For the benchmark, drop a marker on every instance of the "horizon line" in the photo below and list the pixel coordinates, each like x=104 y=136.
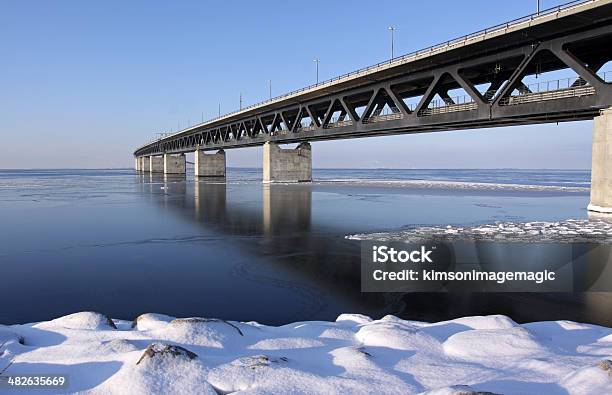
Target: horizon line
x=315 y=169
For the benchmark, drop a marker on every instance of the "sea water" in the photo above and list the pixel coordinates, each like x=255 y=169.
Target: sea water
x=125 y=243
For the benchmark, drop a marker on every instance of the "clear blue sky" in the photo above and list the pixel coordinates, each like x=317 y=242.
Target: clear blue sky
x=84 y=83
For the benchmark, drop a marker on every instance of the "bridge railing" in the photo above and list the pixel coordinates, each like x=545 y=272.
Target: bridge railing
x=456 y=103
x=306 y=128
x=584 y=90
x=463 y=99
x=386 y=115
x=554 y=89
x=554 y=85
x=336 y=122
x=413 y=55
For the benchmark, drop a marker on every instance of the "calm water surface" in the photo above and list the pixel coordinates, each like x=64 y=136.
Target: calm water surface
x=122 y=243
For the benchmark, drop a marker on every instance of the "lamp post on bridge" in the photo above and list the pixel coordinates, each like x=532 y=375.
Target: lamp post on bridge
x=392 y=30
x=538 y=6
x=270 y=86
x=317 y=61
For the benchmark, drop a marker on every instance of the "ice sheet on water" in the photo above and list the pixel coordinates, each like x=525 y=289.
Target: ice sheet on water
x=568 y=231
x=465 y=185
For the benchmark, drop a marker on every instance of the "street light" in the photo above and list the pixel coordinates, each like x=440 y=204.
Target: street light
x=392 y=30
x=317 y=61
x=538 y=6
x=240 y=101
x=270 y=85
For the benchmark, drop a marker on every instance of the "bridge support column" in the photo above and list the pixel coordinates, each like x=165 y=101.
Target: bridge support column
x=156 y=164
x=137 y=164
x=174 y=164
x=209 y=165
x=601 y=168
x=146 y=163
x=287 y=165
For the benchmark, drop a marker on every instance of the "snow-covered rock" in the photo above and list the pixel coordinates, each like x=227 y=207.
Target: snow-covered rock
x=7 y=336
x=354 y=354
x=594 y=379
x=148 y=321
x=458 y=390
x=84 y=320
x=161 y=369
x=503 y=343
x=398 y=335
x=208 y=332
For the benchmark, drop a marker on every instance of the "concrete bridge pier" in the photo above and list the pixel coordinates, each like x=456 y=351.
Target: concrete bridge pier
x=601 y=168
x=156 y=164
x=174 y=164
x=287 y=165
x=137 y=163
x=209 y=165
x=146 y=166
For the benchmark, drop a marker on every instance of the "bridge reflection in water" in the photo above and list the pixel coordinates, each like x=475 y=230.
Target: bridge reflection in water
x=276 y=224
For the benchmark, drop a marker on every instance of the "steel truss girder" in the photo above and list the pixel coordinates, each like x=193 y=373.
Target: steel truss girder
x=487 y=110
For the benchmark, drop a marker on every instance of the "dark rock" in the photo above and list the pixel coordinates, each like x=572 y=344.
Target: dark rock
x=257 y=361
x=160 y=350
x=606 y=366
x=110 y=322
x=363 y=351
x=467 y=390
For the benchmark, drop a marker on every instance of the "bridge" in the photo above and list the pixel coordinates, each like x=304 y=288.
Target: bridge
x=545 y=67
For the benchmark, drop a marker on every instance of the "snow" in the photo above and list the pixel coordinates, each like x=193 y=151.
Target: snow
x=355 y=354
x=509 y=343
x=568 y=231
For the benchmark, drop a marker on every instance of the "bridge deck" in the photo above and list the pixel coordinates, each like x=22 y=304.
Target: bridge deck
x=436 y=69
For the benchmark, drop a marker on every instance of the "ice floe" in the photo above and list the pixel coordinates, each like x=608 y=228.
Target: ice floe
x=159 y=354
x=568 y=231
x=466 y=185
